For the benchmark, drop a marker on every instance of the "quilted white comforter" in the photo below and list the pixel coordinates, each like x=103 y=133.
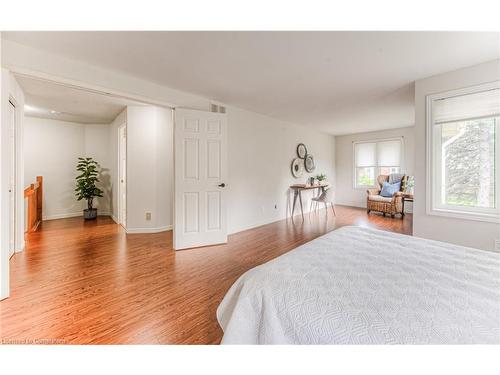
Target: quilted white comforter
x=364 y=286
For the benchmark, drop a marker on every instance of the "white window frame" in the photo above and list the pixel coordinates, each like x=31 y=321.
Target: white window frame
x=433 y=179
x=377 y=167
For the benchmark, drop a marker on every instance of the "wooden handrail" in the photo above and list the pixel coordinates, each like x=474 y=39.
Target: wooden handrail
x=34 y=195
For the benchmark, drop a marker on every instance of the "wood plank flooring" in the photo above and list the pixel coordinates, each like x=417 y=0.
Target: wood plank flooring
x=89 y=283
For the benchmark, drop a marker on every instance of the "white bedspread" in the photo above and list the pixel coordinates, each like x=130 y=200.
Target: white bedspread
x=364 y=286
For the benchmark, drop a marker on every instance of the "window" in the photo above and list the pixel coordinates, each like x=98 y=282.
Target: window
x=463 y=142
x=374 y=158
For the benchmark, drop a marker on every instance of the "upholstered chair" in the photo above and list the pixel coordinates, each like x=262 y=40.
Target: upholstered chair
x=386 y=205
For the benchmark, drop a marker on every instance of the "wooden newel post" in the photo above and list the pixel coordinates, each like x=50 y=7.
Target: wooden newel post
x=34 y=195
x=39 y=198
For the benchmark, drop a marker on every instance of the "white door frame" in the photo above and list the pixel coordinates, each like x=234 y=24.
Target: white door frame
x=122 y=175
x=13 y=230
x=18 y=164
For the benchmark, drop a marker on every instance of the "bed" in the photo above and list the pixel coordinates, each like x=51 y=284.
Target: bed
x=364 y=286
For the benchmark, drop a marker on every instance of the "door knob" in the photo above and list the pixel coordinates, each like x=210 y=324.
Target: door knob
x=222 y=185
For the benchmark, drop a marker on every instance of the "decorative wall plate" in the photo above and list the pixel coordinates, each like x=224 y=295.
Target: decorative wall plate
x=301 y=150
x=297 y=167
x=309 y=163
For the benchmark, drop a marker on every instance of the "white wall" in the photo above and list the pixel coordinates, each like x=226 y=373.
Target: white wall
x=346 y=193
x=260 y=153
x=149 y=168
x=51 y=150
x=165 y=167
x=463 y=232
x=96 y=145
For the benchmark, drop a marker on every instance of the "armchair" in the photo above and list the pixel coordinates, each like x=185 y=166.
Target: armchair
x=376 y=202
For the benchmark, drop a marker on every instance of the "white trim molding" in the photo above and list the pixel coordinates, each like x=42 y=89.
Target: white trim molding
x=71 y=214
x=148 y=230
x=92 y=88
x=433 y=183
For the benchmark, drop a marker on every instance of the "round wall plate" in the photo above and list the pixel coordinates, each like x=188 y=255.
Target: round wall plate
x=297 y=167
x=301 y=150
x=309 y=163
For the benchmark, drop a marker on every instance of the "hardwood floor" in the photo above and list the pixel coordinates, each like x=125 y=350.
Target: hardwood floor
x=89 y=283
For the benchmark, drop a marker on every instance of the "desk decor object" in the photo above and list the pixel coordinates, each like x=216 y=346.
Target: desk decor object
x=321 y=177
x=297 y=167
x=309 y=163
x=301 y=151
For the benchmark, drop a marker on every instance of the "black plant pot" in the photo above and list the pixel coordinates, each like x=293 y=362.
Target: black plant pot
x=90 y=214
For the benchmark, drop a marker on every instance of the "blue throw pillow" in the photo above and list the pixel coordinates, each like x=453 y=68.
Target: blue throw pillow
x=388 y=189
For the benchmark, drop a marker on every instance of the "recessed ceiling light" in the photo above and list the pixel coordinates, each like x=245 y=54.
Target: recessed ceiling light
x=55 y=112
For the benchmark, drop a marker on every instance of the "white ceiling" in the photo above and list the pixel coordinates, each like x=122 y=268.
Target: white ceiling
x=339 y=82
x=49 y=100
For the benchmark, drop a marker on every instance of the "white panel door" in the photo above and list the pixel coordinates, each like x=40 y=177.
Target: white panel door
x=12 y=180
x=200 y=178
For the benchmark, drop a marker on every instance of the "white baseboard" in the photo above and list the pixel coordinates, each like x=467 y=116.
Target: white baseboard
x=62 y=216
x=148 y=230
x=115 y=219
x=70 y=214
x=255 y=225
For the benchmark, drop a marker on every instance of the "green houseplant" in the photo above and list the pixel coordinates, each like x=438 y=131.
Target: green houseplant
x=85 y=185
x=321 y=177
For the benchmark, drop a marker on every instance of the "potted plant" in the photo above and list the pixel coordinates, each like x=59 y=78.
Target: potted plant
x=85 y=185
x=321 y=177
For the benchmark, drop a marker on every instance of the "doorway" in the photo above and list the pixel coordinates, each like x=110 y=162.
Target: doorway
x=122 y=171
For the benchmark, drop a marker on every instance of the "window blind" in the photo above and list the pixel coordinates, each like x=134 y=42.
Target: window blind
x=389 y=153
x=466 y=107
x=365 y=154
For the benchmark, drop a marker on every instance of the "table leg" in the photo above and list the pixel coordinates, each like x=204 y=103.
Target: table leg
x=295 y=193
x=301 y=207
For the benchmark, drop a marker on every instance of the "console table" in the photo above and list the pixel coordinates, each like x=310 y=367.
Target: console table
x=297 y=192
